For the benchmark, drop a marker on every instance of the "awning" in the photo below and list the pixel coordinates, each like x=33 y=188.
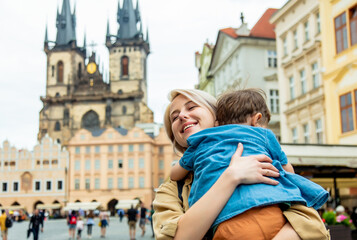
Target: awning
x=49 y=206
x=126 y=204
x=82 y=205
x=19 y=207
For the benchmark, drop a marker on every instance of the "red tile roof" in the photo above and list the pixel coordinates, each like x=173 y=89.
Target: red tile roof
x=230 y=32
x=263 y=28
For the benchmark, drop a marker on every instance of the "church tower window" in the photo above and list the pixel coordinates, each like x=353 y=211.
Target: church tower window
x=125 y=66
x=57 y=126
x=124 y=110
x=79 y=74
x=90 y=120
x=60 y=72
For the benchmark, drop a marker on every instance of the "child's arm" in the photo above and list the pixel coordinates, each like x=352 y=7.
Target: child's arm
x=178 y=172
x=288 y=167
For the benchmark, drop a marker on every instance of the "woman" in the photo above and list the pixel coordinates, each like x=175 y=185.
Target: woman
x=172 y=218
x=90 y=223
x=104 y=223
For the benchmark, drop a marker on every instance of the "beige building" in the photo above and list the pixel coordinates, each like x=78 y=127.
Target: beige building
x=115 y=164
x=298 y=40
x=33 y=179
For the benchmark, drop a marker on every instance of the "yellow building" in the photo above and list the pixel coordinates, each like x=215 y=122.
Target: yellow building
x=33 y=179
x=339 y=50
x=114 y=164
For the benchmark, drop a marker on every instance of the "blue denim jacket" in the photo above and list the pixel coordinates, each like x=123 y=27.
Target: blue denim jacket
x=209 y=154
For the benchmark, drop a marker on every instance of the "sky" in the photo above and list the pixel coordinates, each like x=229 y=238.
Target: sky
x=177 y=29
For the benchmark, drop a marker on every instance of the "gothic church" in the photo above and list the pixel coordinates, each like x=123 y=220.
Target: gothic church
x=76 y=95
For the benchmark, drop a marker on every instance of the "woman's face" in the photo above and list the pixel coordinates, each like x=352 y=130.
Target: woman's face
x=188 y=118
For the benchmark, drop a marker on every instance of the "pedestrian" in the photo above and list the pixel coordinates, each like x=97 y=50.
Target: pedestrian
x=35 y=222
x=120 y=214
x=354 y=216
x=4 y=229
x=80 y=227
x=142 y=221
x=132 y=218
x=152 y=211
x=104 y=223
x=90 y=223
x=72 y=224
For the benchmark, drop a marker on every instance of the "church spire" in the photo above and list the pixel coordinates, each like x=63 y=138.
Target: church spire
x=46 y=40
x=127 y=18
x=66 y=26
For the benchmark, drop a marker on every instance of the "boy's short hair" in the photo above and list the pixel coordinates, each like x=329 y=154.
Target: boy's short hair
x=235 y=107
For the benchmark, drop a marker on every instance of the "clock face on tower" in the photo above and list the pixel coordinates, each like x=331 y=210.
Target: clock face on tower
x=91 y=68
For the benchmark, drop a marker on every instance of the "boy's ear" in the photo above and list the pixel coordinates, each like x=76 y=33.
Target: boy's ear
x=216 y=124
x=255 y=119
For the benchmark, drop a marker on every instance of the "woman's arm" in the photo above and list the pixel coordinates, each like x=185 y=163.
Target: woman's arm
x=178 y=172
x=242 y=170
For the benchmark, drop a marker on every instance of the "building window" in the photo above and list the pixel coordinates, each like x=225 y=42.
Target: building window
x=131 y=148
x=97 y=183
x=274 y=101
x=306 y=133
x=131 y=182
x=77 y=165
x=120 y=148
x=120 y=183
x=161 y=164
x=141 y=148
x=87 y=150
x=294 y=135
x=59 y=185
x=52 y=71
x=110 y=164
x=110 y=135
x=78 y=150
x=124 y=110
x=303 y=81
x=97 y=149
x=346 y=112
x=97 y=164
x=124 y=66
x=292 y=87
x=110 y=149
x=141 y=163
x=76 y=184
x=120 y=163
x=37 y=186
x=110 y=183
x=353 y=25
x=57 y=126
x=341 y=32
x=285 y=47
x=48 y=185
x=161 y=149
x=87 y=164
x=4 y=187
x=131 y=163
x=141 y=182
x=87 y=183
x=315 y=75
x=60 y=72
x=318 y=23
x=15 y=186
x=272 y=59
x=295 y=40
x=306 y=30
x=318 y=131
x=161 y=180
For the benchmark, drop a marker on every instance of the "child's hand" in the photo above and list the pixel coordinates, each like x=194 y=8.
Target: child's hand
x=252 y=169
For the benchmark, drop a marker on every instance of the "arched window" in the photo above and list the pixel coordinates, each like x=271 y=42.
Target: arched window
x=79 y=73
x=124 y=110
x=125 y=66
x=57 y=126
x=90 y=120
x=60 y=72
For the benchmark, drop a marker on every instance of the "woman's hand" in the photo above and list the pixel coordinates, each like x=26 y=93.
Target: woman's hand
x=251 y=169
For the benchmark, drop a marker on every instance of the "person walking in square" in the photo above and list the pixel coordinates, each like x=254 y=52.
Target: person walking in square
x=35 y=222
x=4 y=230
x=132 y=218
x=142 y=222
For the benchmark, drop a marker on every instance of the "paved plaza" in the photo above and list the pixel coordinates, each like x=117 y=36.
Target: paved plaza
x=58 y=230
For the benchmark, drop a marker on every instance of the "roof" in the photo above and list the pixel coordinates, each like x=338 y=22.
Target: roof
x=263 y=28
x=230 y=32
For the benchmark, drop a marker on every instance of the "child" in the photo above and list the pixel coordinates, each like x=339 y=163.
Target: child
x=252 y=212
x=80 y=227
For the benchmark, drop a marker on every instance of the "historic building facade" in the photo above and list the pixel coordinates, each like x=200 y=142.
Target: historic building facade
x=115 y=164
x=203 y=61
x=298 y=40
x=339 y=50
x=33 y=179
x=76 y=95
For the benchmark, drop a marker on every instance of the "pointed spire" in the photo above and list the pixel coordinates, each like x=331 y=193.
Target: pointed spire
x=84 y=40
x=66 y=25
x=147 y=35
x=137 y=12
x=46 y=35
x=141 y=30
x=127 y=19
x=108 y=31
x=119 y=11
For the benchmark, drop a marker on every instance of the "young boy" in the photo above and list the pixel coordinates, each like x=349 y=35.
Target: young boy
x=252 y=212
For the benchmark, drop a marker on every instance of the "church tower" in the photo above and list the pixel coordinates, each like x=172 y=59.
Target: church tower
x=76 y=95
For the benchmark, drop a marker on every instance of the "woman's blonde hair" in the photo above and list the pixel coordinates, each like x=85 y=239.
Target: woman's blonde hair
x=199 y=97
